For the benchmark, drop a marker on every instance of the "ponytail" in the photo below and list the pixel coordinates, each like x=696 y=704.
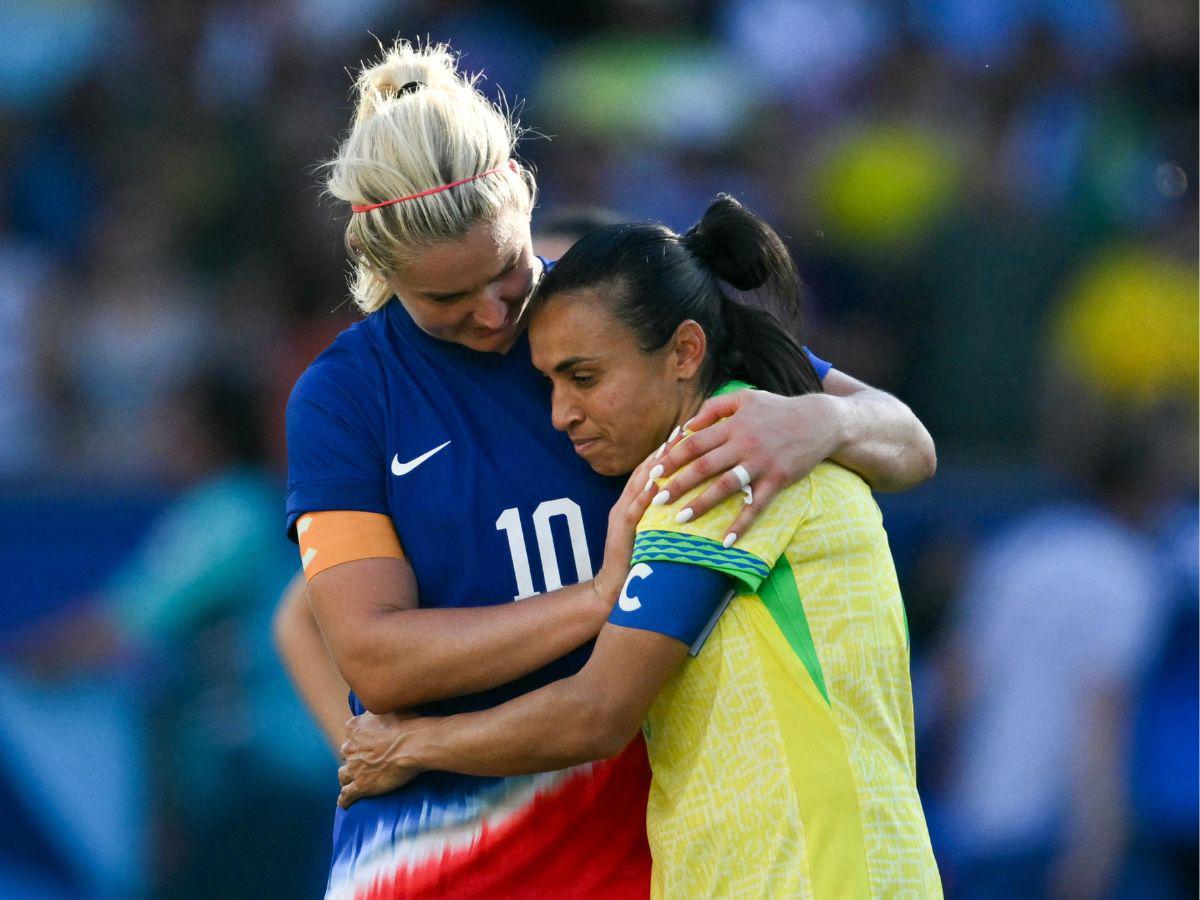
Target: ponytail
x=653 y=279
x=742 y=250
x=761 y=352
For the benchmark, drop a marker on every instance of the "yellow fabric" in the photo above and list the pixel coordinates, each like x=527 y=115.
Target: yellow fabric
x=762 y=788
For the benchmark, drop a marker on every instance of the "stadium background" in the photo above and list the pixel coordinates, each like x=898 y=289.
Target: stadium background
x=993 y=205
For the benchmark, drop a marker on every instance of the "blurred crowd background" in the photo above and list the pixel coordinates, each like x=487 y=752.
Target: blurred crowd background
x=993 y=205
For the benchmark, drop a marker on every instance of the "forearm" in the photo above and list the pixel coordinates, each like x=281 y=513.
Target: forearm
x=309 y=664
x=413 y=656
x=555 y=727
x=883 y=441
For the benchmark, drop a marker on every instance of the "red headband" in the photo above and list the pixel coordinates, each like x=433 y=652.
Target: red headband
x=367 y=207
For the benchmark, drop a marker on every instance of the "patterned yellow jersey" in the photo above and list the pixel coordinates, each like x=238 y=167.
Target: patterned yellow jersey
x=782 y=753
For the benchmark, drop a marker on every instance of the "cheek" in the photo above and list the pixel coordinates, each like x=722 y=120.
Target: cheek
x=519 y=284
x=433 y=318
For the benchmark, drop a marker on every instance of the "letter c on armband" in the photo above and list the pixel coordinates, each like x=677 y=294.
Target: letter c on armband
x=632 y=604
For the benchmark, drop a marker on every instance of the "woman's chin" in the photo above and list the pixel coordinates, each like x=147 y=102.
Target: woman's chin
x=614 y=464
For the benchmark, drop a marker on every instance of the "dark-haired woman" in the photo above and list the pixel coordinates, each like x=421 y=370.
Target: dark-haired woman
x=769 y=671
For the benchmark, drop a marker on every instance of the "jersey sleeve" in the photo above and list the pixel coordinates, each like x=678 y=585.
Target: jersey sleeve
x=819 y=364
x=700 y=542
x=336 y=458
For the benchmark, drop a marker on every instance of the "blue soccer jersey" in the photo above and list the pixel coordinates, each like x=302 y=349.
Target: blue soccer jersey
x=491 y=505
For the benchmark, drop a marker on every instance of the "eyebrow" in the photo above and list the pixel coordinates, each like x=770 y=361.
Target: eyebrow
x=434 y=295
x=573 y=361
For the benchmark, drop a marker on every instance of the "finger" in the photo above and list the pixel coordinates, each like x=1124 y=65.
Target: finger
x=344 y=775
x=347 y=796
x=713 y=410
x=725 y=485
x=638 y=479
x=720 y=460
x=637 y=506
x=693 y=450
x=764 y=492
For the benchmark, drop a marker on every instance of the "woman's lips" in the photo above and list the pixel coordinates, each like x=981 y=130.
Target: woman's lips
x=583 y=446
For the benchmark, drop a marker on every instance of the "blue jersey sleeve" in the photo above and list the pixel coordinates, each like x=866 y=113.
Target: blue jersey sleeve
x=679 y=600
x=819 y=364
x=336 y=458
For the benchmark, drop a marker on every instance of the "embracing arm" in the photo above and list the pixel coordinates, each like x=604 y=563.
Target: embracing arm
x=779 y=440
x=879 y=437
x=591 y=715
x=396 y=655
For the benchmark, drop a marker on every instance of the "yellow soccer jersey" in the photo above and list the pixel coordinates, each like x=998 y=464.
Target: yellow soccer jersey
x=782 y=754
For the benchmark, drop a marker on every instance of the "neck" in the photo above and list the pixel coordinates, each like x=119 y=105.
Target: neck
x=689 y=407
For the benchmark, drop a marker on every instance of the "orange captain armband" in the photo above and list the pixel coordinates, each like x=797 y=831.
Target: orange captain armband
x=333 y=537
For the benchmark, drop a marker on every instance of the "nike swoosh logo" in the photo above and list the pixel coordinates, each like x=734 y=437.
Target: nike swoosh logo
x=399 y=468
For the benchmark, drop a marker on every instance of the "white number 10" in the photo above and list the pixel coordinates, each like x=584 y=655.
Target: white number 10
x=510 y=523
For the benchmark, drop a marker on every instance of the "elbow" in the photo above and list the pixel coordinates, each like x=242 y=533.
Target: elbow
x=913 y=466
x=926 y=465
x=375 y=689
x=381 y=684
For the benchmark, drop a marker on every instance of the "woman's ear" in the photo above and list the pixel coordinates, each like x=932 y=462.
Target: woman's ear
x=688 y=349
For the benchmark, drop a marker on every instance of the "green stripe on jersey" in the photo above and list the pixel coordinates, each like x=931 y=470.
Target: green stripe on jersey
x=673 y=546
x=782 y=599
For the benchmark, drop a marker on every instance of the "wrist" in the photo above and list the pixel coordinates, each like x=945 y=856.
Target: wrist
x=413 y=752
x=603 y=594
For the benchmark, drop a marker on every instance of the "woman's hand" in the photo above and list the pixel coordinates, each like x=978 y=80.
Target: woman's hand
x=776 y=440
x=623 y=519
x=373 y=761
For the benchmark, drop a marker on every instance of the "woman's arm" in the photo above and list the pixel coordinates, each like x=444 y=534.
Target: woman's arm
x=308 y=663
x=779 y=440
x=396 y=655
x=880 y=438
x=591 y=715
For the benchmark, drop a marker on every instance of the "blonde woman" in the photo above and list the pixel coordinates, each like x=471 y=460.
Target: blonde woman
x=428 y=492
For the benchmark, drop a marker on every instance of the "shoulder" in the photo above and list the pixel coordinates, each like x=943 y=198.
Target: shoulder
x=350 y=366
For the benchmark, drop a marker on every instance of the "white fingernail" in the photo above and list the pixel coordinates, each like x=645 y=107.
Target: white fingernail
x=655 y=472
x=730 y=540
x=687 y=426
x=674 y=434
x=660 y=498
x=661 y=451
x=649 y=484
x=685 y=515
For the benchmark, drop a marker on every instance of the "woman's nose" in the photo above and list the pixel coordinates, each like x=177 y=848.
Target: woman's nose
x=563 y=412
x=492 y=310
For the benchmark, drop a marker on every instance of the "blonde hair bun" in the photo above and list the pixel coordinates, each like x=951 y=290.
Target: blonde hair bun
x=432 y=67
x=406 y=139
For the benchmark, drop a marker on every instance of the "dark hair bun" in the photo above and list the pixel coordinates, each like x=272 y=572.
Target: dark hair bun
x=742 y=250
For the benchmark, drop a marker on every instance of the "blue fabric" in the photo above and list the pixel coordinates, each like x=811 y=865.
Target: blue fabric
x=671 y=598
x=507 y=494
x=385 y=394
x=819 y=364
